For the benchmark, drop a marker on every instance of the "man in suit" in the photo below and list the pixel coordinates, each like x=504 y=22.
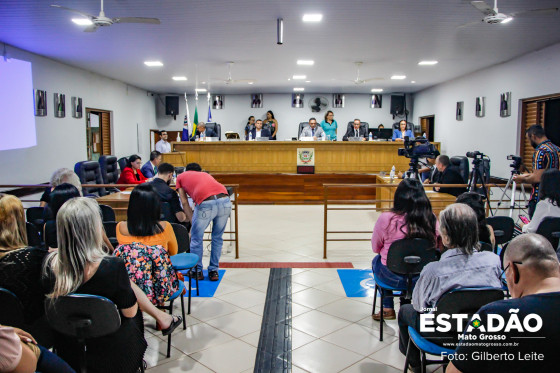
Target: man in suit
x=356 y=131
x=150 y=168
x=202 y=132
x=313 y=130
x=447 y=174
x=258 y=131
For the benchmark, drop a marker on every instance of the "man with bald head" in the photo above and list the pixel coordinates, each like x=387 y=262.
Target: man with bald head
x=533 y=278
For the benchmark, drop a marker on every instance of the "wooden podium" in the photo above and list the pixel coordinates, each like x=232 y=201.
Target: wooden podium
x=175 y=158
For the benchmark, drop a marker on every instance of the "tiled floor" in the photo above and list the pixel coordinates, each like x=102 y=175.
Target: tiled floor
x=330 y=332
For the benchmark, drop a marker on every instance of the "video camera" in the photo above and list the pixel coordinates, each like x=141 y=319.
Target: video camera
x=475 y=155
x=418 y=148
x=517 y=162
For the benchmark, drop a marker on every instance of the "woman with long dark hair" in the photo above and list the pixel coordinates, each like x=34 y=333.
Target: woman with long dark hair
x=549 y=200
x=271 y=123
x=475 y=201
x=250 y=124
x=131 y=173
x=410 y=217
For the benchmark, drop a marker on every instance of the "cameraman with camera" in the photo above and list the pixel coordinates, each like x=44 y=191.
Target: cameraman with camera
x=547 y=155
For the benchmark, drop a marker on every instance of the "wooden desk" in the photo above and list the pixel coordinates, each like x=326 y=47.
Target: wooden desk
x=439 y=200
x=119 y=203
x=266 y=157
x=175 y=158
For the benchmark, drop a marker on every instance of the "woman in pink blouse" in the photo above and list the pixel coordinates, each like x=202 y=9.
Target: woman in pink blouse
x=410 y=217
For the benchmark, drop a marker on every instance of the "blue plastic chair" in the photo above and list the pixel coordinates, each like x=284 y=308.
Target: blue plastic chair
x=178 y=294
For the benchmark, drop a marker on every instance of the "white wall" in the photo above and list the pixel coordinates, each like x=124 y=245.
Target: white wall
x=237 y=109
x=532 y=75
x=61 y=142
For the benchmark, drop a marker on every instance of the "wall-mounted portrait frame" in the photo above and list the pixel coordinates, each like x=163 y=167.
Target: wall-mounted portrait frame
x=297 y=100
x=505 y=104
x=257 y=101
x=338 y=100
x=218 y=102
x=459 y=110
x=77 y=108
x=40 y=102
x=376 y=101
x=480 y=106
x=59 y=105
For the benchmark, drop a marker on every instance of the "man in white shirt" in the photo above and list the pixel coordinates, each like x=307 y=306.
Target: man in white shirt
x=258 y=131
x=162 y=145
x=312 y=131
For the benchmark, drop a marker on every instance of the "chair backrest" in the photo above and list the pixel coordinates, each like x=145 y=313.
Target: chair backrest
x=550 y=228
x=166 y=213
x=183 y=239
x=109 y=169
x=83 y=316
x=108 y=213
x=302 y=125
x=35 y=215
x=179 y=170
x=89 y=172
x=122 y=162
x=216 y=128
x=33 y=235
x=362 y=125
x=466 y=301
x=461 y=163
x=485 y=246
x=111 y=232
x=503 y=228
x=407 y=247
x=11 y=311
x=409 y=126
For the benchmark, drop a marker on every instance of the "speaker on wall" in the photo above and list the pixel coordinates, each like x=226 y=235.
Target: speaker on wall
x=172 y=105
x=397 y=105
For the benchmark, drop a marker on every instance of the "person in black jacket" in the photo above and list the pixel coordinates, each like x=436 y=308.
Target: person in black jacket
x=447 y=174
x=356 y=131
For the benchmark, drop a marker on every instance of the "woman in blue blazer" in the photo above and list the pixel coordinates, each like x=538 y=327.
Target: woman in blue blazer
x=402 y=132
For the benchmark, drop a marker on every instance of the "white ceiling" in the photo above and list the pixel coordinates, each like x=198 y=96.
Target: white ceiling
x=197 y=38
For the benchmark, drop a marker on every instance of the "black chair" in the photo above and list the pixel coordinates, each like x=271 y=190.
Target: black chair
x=33 y=235
x=216 y=128
x=108 y=213
x=302 y=125
x=109 y=171
x=179 y=170
x=89 y=172
x=461 y=164
x=166 y=213
x=409 y=126
x=11 y=312
x=550 y=228
x=485 y=246
x=35 y=216
x=122 y=162
x=362 y=125
x=405 y=257
x=457 y=301
x=83 y=317
x=111 y=232
x=503 y=227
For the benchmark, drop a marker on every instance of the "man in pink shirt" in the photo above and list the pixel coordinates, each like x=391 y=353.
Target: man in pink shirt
x=211 y=204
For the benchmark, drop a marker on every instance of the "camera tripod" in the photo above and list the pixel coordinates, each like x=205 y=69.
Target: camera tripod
x=412 y=172
x=513 y=184
x=477 y=178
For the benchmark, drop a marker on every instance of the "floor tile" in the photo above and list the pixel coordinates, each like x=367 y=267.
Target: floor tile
x=180 y=365
x=157 y=351
x=347 y=309
x=369 y=365
x=390 y=355
x=297 y=287
x=244 y=298
x=212 y=308
x=237 y=324
x=298 y=309
x=257 y=310
x=358 y=338
x=252 y=338
x=318 y=324
x=199 y=337
x=300 y=338
x=313 y=298
x=321 y=356
x=242 y=357
x=310 y=278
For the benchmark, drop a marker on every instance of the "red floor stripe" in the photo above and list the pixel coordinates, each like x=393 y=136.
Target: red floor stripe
x=287 y=265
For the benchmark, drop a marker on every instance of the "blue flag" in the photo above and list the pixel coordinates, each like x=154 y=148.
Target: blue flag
x=209 y=114
x=185 y=134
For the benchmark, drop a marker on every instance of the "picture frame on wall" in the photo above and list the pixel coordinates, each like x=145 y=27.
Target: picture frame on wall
x=218 y=102
x=257 y=101
x=77 y=111
x=505 y=104
x=376 y=101
x=459 y=110
x=297 y=100
x=40 y=102
x=338 y=100
x=480 y=106
x=59 y=105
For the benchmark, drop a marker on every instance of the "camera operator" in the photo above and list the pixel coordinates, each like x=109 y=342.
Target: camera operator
x=447 y=174
x=546 y=155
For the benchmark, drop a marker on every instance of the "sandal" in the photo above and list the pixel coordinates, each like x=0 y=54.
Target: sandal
x=177 y=320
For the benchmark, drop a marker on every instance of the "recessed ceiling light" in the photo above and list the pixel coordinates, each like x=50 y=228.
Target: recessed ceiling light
x=300 y=77
x=200 y=89
x=202 y=82
x=250 y=82
x=306 y=62
x=506 y=20
x=179 y=78
x=413 y=81
x=427 y=63
x=82 y=21
x=308 y=81
x=153 y=63
x=398 y=77
x=312 y=17
x=299 y=89
x=377 y=89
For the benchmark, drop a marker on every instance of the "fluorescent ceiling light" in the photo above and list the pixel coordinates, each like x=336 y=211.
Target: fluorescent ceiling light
x=508 y=19
x=179 y=78
x=306 y=62
x=250 y=82
x=377 y=89
x=300 y=77
x=200 y=89
x=82 y=21
x=312 y=17
x=427 y=63
x=153 y=63
x=299 y=89
x=308 y=81
x=398 y=77
x=414 y=81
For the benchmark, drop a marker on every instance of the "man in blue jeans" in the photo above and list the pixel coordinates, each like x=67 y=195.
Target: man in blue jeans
x=211 y=204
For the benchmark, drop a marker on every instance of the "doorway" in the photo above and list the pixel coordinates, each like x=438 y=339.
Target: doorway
x=427 y=125
x=98 y=133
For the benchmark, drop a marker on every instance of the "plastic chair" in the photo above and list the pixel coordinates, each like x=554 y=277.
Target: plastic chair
x=503 y=228
x=456 y=301
x=33 y=236
x=550 y=229
x=11 y=312
x=185 y=260
x=83 y=317
x=111 y=232
x=405 y=257
x=178 y=294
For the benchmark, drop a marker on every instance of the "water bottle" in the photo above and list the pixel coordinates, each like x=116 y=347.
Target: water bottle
x=324 y=138
x=178 y=137
x=424 y=135
x=250 y=136
x=392 y=174
x=370 y=137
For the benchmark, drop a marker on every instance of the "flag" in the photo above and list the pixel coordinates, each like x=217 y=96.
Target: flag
x=195 y=120
x=209 y=114
x=185 y=134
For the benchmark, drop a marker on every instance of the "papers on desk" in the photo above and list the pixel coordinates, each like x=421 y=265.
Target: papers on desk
x=306 y=138
x=126 y=192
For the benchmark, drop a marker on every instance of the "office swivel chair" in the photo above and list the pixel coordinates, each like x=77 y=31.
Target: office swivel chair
x=89 y=172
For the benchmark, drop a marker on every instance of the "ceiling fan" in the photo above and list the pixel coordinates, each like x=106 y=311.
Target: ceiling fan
x=359 y=81
x=493 y=16
x=102 y=21
x=230 y=80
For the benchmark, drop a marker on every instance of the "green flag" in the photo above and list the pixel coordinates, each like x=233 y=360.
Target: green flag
x=195 y=120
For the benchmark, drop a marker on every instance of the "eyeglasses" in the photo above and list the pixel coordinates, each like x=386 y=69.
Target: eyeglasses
x=505 y=269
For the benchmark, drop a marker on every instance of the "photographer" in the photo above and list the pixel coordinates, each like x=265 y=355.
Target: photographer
x=547 y=155
x=447 y=174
